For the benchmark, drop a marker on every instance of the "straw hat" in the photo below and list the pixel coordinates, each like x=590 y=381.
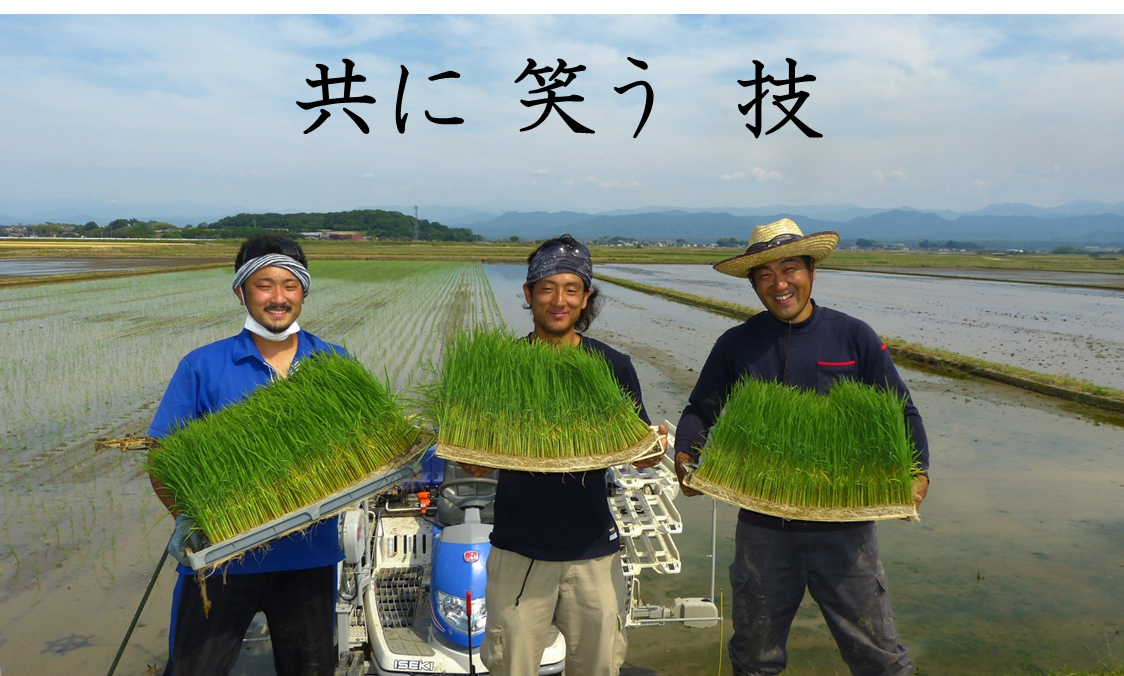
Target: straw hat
x=775 y=241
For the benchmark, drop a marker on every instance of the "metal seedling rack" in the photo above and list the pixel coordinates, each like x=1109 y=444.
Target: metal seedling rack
x=636 y=511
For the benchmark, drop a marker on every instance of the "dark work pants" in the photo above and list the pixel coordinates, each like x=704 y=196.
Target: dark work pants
x=842 y=571
x=298 y=604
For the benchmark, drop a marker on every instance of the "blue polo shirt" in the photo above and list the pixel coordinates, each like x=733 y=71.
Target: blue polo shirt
x=215 y=376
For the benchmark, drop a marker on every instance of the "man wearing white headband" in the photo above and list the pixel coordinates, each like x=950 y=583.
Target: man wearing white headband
x=292 y=580
x=272 y=287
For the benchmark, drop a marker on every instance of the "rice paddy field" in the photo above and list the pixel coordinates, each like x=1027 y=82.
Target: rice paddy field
x=1017 y=564
x=1056 y=329
x=1016 y=567
x=81 y=532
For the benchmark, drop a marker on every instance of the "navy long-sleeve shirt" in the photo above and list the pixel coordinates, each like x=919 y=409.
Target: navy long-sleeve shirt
x=810 y=355
x=562 y=516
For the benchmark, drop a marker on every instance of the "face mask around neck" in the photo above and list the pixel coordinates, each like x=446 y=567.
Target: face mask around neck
x=258 y=330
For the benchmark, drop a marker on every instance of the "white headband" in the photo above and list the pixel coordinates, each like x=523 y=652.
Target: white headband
x=273 y=260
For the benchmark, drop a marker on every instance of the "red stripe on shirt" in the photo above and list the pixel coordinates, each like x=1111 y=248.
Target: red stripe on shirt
x=836 y=363
x=883 y=346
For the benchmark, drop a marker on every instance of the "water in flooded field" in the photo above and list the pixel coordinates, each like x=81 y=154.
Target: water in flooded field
x=1057 y=330
x=1108 y=280
x=25 y=267
x=1018 y=561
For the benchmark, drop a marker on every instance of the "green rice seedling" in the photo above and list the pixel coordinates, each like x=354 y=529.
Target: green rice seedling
x=529 y=405
x=291 y=443
x=803 y=455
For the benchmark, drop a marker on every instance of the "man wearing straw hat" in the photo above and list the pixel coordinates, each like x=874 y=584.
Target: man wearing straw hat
x=555 y=547
x=293 y=579
x=802 y=344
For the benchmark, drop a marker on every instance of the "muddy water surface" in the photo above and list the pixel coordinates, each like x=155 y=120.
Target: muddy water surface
x=18 y=267
x=1110 y=280
x=1063 y=331
x=1017 y=564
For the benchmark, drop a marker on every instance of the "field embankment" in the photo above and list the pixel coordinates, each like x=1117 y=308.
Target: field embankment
x=1071 y=389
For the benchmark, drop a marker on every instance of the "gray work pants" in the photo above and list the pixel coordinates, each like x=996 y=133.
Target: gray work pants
x=842 y=571
x=584 y=598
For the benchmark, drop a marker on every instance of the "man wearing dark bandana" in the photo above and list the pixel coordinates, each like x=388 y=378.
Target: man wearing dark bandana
x=555 y=547
x=292 y=580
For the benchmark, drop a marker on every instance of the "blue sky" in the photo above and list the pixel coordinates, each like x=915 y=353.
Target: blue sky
x=186 y=113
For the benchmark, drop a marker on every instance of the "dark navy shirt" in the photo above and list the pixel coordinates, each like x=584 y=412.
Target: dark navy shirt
x=215 y=376
x=811 y=355
x=562 y=516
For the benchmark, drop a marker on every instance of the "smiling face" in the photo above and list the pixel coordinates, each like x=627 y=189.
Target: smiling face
x=273 y=297
x=785 y=287
x=556 y=304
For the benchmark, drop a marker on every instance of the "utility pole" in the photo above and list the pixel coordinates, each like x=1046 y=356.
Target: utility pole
x=415 y=224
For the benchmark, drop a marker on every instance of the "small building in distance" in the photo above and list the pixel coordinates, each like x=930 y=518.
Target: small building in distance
x=337 y=235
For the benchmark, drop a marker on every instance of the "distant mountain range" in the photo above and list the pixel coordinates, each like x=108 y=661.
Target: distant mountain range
x=1082 y=222
x=464 y=216
x=899 y=225
x=482 y=221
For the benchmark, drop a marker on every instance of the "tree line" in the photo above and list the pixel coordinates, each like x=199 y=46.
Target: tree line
x=371 y=223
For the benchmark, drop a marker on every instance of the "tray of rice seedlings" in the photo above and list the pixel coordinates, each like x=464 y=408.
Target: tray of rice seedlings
x=294 y=452
x=846 y=456
x=509 y=403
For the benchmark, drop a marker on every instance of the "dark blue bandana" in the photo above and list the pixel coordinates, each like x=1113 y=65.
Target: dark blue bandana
x=558 y=258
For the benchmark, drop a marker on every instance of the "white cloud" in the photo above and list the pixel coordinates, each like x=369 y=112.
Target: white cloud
x=739 y=175
x=887 y=177
x=314 y=32
x=763 y=175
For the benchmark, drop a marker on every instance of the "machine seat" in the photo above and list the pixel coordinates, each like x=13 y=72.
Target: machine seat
x=449 y=514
